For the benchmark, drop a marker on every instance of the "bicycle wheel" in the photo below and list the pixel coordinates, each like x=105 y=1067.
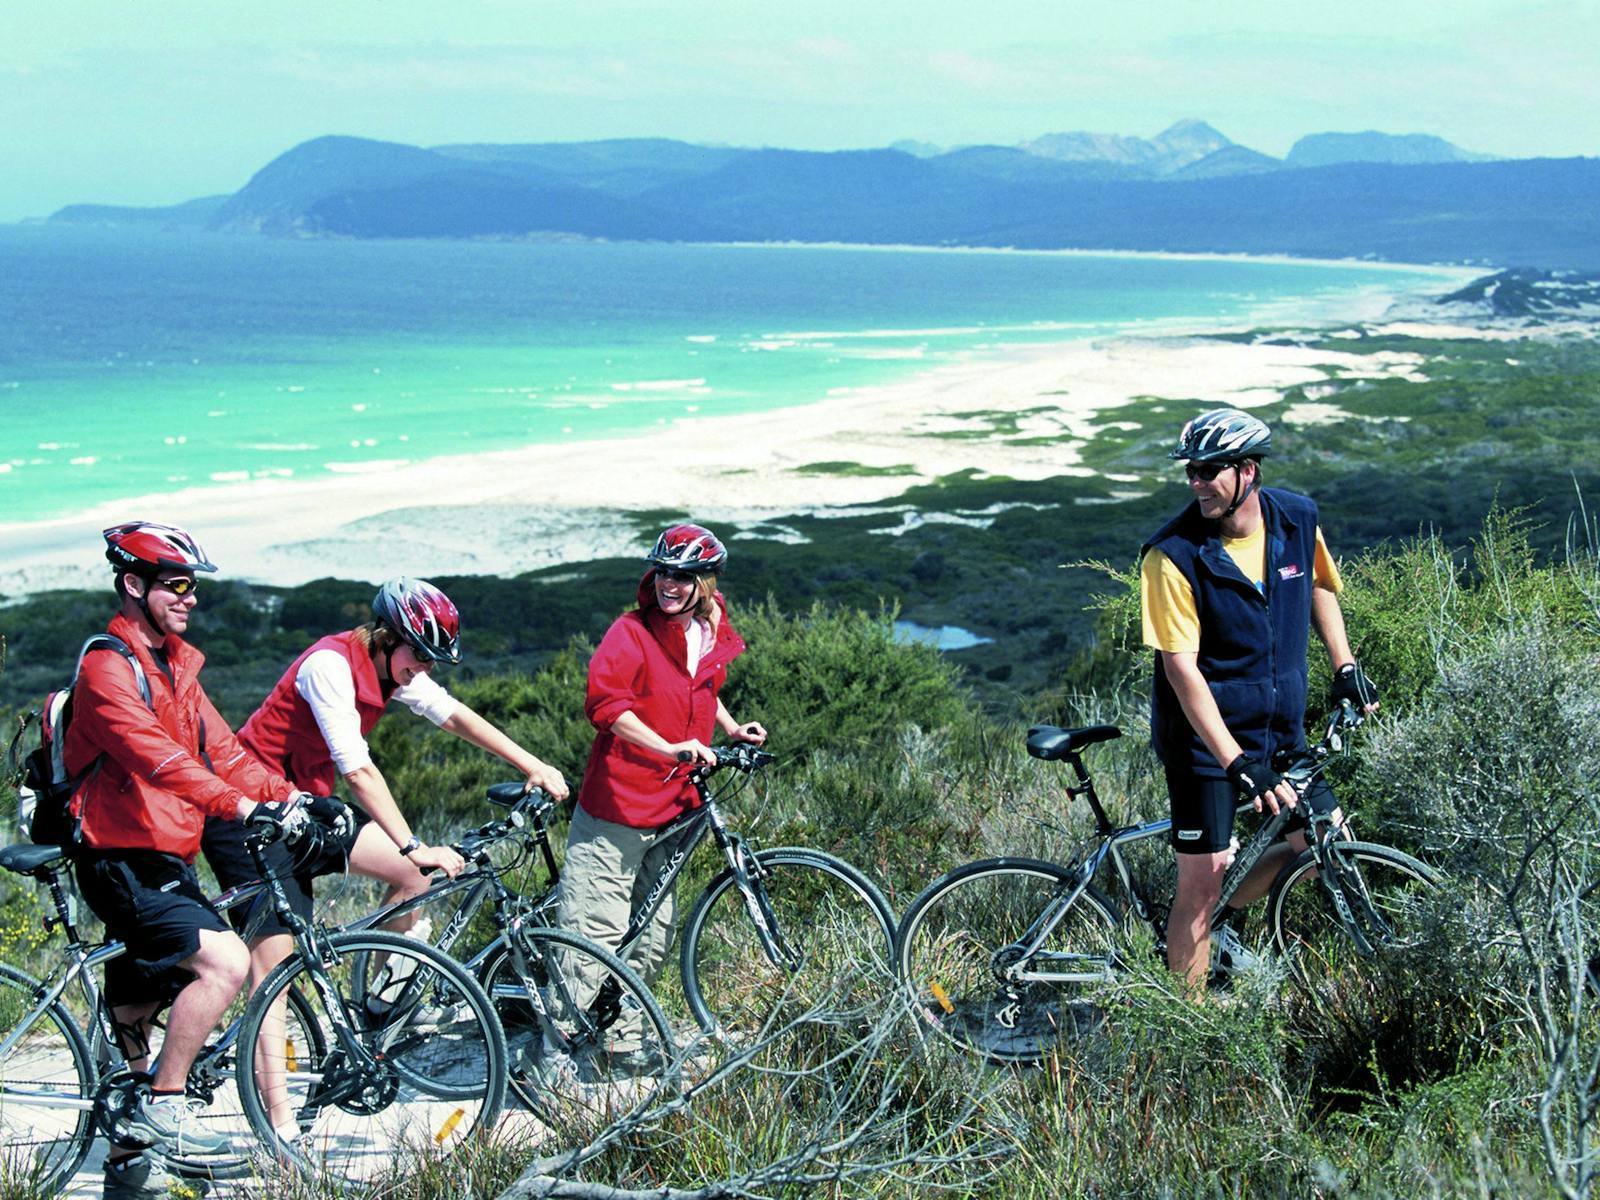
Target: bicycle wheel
x=47 y=1084
x=1368 y=906
x=390 y=1087
x=831 y=929
x=590 y=1038
x=964 y=933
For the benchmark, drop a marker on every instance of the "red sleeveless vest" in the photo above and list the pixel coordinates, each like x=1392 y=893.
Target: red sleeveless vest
x=284 y=735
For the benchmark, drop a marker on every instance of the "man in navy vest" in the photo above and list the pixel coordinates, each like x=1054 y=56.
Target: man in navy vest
x=1229 y=591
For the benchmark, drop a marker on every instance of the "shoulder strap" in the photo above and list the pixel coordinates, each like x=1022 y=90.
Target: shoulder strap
x=110 y=641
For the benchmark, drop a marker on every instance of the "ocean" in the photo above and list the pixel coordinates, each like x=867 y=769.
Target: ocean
x=133 y=364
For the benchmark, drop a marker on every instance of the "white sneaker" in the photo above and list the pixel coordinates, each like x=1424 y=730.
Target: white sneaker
x=1228 y=954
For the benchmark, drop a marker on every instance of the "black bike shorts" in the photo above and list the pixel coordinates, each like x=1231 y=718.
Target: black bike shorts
x=223 y=845
x=1203 y=811
x=153 y=903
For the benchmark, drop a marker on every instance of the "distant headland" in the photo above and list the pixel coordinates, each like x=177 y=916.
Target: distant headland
x=1412 y=197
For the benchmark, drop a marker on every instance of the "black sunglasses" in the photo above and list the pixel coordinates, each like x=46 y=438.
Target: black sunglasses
x=677 y=576
x=1206 y=471
x=181 y=585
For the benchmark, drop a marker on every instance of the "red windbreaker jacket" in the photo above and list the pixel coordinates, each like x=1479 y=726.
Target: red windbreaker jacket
x=642 y=666
x=151 y=790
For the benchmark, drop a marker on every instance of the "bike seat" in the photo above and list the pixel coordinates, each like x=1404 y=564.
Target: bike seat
x=1052 y=742
x=506 y=795
x=26 y=859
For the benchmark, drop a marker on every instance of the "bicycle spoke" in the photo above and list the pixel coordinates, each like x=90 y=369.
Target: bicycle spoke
x=380 y=1080
x=961 y=954
x=594 y=1045
x=1368 y=906
x=46 y=1080
x=824 y=948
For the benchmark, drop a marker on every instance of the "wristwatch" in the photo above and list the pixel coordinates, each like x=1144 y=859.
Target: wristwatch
x=414 y=844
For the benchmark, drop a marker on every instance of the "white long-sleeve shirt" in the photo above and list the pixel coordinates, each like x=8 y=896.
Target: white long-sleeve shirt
x=325 y=681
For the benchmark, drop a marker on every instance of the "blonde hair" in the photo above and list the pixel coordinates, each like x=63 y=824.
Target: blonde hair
x=706 y=607
x=377 y=638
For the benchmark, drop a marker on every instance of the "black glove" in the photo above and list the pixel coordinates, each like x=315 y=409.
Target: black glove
x=333 y=815
x=288 y=817
x=1350 y=683
x=1253 y=778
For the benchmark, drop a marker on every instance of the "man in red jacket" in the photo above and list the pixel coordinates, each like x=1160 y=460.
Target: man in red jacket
x=652 y=696
x=150 y=774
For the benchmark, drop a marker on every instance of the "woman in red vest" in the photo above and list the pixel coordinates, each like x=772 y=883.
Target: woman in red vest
x=313 y=730
x=652 y=697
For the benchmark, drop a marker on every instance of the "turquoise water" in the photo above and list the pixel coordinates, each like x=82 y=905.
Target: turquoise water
x=137 y=364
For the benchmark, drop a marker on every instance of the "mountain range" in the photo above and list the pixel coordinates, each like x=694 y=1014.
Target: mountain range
x=1413 y=197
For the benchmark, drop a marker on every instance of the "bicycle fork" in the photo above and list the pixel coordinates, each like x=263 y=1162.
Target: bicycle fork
x=749 y=877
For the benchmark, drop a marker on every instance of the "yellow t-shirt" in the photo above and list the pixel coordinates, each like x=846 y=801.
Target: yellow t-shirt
x=1166 y=601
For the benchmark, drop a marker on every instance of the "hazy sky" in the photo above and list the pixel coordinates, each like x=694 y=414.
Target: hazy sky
x=149 y=103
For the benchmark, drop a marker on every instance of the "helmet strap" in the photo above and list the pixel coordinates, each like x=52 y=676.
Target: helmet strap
x=1240 y=492
x=144 y=604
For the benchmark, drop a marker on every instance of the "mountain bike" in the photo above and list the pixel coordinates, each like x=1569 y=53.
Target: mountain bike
x=768 y=933
x=539 y=978
x=1003 y=955
x=357 y=1090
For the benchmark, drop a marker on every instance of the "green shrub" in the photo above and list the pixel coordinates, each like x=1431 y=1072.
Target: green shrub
x=836 y=678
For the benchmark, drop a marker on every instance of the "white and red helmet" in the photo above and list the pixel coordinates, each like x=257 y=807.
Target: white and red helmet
x=422 y=615
x=146 y=549
x=686 y=547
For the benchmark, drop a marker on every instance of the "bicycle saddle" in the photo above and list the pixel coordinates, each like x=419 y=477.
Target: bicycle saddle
x=505 y=794
x=27 y=859
x=1052 y=742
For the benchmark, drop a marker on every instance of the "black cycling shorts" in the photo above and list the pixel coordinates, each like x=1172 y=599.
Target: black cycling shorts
x=223 y=845
x=1203 y=810
x=153 y=903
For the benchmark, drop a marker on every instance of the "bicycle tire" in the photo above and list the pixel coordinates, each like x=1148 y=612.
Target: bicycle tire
x=1381 y=888
x=952 y=945
x=598 y=1013
x=45 y=1141
x=439 y=1077
x=733 y=986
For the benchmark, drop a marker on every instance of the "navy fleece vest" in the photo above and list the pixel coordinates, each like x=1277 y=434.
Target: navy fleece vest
x=1252 y=644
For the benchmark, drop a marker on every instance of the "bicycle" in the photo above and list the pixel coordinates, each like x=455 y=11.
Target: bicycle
x=769 y=920
x=429 y=1074
x=1001 y=955
x=539 y=977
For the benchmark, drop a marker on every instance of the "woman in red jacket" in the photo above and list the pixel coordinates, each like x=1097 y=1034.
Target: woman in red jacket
x=652 y=697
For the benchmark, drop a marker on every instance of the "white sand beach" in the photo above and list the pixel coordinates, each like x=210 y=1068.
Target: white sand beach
x=542 y=505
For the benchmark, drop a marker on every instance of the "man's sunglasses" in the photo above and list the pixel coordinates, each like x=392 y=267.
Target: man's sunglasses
x=1206 y=471
x=180 y=585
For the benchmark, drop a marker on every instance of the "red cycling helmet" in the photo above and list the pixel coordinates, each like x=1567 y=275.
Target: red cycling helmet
x=146 y=548
x=422 y=615
x=691 y=548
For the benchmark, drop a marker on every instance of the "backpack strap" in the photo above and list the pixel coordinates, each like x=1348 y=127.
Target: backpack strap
x=95 y=641
x=110 y=641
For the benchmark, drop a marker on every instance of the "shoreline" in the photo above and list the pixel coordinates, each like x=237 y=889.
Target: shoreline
x=541 y=505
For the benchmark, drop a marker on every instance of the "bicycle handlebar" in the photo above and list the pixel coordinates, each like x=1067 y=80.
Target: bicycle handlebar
x=741 y=757
x=524 y=802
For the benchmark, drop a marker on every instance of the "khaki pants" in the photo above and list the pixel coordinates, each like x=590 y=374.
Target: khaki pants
x=609 y=869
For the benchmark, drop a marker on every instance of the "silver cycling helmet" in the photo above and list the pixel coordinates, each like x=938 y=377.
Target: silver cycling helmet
x=1223 y=435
